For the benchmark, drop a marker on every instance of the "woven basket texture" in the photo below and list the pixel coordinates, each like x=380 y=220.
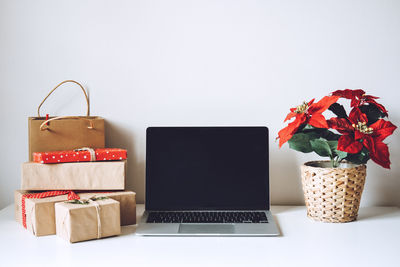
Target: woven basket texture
x=332 y=194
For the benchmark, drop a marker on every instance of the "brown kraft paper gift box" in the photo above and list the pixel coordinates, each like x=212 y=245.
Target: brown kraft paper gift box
x=74 y=176
x=40 y=214
x=94 y=219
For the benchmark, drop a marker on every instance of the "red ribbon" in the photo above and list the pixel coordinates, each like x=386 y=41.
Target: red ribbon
x=71 y=195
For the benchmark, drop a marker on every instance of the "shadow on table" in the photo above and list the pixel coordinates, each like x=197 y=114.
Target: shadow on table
x=128 y=229
x=283 y=209
x=377 y=213
x=278 y=226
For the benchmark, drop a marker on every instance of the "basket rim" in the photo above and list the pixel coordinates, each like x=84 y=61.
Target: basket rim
x=349 y=165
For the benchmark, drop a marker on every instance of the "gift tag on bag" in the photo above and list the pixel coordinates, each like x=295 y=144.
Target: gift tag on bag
x=65 y=132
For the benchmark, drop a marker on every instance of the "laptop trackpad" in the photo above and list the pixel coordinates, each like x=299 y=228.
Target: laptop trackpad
x=193 y=228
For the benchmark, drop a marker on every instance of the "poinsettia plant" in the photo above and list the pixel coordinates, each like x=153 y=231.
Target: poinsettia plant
x=355 y=137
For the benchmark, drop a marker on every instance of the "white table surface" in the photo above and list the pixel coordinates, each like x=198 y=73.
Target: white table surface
x=373 y=240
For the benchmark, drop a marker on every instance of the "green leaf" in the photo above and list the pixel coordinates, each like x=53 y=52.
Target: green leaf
x=360 y=158
x=328 y=135
x=338 y=110
x=309 y=127
x=335 y=152
x=341 y=154
x=98 y=198
x=300 y=142
x=332 y=144
x=77 y=201
x=319 y=132
x=321 y=147
x=373 y=113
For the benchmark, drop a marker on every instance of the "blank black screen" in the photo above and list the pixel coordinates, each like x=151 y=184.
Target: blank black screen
x=202 y=168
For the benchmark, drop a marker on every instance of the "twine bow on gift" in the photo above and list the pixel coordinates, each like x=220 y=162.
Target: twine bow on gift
x=71 y=196
x=90 y=150
x=91 y=200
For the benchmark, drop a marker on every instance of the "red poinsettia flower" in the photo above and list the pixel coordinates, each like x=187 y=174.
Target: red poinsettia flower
x=310 y=113
x=356 y=134
x=358 y=98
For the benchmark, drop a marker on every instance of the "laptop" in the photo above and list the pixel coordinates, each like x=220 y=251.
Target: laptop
x=207 y=181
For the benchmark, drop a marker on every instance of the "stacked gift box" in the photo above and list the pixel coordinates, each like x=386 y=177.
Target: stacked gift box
x=78 y=199
x=73 y=186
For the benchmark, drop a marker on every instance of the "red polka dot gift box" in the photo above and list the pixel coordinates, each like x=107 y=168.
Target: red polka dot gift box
x=80 y=155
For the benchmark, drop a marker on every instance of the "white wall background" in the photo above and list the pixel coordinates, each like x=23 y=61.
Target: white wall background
x=187 y=62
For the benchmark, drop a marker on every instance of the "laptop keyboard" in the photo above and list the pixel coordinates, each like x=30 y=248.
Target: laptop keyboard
x=207 y=217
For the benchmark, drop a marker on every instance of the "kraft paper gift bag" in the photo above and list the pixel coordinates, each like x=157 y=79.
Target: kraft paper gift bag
x=80 y=220
x=99 y=175
x=65 y=132
x=35 y=210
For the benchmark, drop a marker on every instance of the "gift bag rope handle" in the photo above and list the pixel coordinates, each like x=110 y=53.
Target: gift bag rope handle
x=44 y=125
x=66 y=81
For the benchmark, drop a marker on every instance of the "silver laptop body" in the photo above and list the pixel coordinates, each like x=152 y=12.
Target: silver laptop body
x=196 y=171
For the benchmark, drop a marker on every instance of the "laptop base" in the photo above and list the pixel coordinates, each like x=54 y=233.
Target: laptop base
x=207 y=229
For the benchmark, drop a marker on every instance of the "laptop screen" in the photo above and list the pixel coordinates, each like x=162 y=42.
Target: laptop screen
x=207 y=168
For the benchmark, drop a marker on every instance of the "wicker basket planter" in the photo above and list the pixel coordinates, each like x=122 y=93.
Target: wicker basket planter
x=332 y=194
